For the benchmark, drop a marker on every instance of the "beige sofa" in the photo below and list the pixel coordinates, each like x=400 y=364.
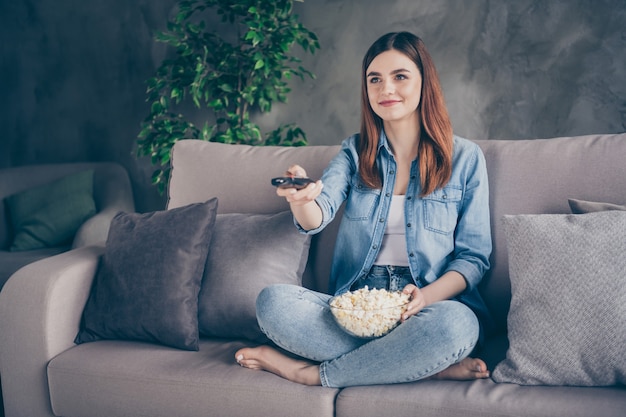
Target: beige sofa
x=44 y=373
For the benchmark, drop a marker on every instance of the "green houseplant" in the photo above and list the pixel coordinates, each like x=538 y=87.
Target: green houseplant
x=232 y=59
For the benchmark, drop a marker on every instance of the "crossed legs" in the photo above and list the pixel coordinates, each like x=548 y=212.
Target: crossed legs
x=433 y=344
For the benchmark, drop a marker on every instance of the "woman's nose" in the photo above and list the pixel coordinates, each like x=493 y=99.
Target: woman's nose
x=388 y=87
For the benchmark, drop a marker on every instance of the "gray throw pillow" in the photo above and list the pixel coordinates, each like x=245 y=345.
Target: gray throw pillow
x=147 y=284
x=566 y=325
x=248 y=253
x=583 y=206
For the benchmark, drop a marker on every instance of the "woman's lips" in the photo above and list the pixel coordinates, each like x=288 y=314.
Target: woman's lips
x=387 y=103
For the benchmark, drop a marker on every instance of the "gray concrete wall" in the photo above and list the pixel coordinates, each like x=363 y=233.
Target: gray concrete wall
x=72 y=72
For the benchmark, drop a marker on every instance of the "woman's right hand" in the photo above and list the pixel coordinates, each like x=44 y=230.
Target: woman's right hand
x=302 y=202
x=300 y=197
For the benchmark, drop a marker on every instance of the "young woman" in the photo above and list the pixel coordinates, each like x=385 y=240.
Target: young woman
x=416 y=219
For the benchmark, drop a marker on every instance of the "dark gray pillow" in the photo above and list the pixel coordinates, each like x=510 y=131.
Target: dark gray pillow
x=566 y=325
x=583 y=206
x=248 y=253
x=147 y=284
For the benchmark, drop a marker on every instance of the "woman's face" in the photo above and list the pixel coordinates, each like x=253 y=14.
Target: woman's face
x=394 y=86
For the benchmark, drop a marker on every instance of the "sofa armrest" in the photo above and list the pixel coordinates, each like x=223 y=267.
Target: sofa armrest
x=96 y=229
x=113 y=193
x=40 y=311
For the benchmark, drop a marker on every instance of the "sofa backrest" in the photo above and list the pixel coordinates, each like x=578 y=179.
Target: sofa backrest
x=525 y=176
x=239 y=176
x=537 y=177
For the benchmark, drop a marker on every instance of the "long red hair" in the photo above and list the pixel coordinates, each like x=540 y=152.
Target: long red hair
x=436 y=143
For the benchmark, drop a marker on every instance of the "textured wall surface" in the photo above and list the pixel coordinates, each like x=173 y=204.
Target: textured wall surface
x=510 y=69
x=72 y=73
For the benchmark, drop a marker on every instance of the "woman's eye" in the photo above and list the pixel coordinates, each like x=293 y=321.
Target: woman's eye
x=400 y=77
x=374 y=80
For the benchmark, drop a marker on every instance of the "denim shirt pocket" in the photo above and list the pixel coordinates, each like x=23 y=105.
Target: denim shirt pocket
x=441 y=209
x=361 y=201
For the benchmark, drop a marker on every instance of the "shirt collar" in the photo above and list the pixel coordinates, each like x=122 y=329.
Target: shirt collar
x=383 y=142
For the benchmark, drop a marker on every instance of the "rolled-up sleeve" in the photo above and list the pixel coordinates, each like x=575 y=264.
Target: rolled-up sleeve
x=472 y=243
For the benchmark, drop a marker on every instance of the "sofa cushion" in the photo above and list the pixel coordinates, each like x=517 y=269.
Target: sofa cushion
x=583 y=206
x=566 y=323
x=479 y=398
x=117 y=378
x=49 y=215
x=148 y=281
x=248 y=252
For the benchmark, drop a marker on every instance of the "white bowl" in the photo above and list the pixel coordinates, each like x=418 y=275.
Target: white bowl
x=368 y=313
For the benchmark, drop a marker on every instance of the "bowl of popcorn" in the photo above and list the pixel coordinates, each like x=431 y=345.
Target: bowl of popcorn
x=369 y=313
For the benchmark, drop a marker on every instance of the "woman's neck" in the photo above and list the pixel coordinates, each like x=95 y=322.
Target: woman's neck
x=403 y=137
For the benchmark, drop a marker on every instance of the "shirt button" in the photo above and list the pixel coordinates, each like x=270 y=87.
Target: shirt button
x=408 y=225
x=374 y=246
x=411 y=255
x=381 y=220
x=392 y=172
x=444 y=196
x=387 y=195
x=409 y=197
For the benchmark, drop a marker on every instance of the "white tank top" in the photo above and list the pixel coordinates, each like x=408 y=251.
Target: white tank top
x=393 y=250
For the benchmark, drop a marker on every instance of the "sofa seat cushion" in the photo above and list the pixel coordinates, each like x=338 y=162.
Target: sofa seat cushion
x=479 y=398
x=121 y=378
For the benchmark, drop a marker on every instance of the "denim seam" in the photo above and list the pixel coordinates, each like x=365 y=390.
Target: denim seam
x=429 y=372
x=323 y=376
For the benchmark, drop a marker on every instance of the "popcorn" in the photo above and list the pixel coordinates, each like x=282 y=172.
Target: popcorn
x=369 y=313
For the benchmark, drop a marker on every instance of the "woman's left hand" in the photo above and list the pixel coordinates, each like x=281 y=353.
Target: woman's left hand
x=417 y=303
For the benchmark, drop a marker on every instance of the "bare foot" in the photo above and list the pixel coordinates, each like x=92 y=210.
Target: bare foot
x=269 y=359
x=467 y=369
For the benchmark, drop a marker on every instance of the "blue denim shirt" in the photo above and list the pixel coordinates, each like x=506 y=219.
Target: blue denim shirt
x=447 y=230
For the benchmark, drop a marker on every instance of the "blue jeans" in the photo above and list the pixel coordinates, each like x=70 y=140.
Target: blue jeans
x=299 y=320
